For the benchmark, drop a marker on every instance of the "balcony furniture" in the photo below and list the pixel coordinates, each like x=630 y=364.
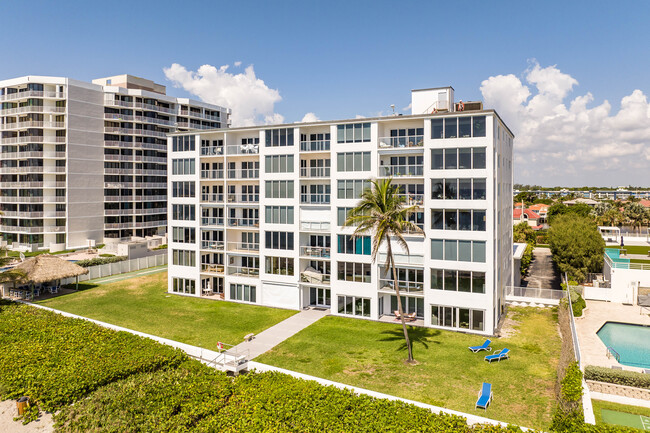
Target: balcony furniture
x=484 y=346
x=503 y=354
x=311 y=275
x=484 y=396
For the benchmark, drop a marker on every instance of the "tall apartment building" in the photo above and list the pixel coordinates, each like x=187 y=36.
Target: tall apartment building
x=87 y=161
x=256 y=213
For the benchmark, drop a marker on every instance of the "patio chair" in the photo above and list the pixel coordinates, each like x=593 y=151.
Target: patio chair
x=484 y=346
x=503 y=354
x=484 y=396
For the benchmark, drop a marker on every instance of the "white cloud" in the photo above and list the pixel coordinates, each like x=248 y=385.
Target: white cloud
x=251 y=100
x=310 y=117
x=408 y=107
x=560 y=140
x=237 y=64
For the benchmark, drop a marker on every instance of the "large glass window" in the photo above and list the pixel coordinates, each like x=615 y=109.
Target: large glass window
x=478 y=157
x=243 y=292
x=451 y=126
x=351 y=189
x=437 y=159
x=350 y=245
x=437 y=128
x=457 y=317
x=278 y=164
x=479 y=126
x=451 y=156
x=279 y=214
x=354 y=306
x=279 y=189
x=353 y=161
x=356 y=272
x=465 y=189
x=464 y=127
x=279 y=137
x=451 y=216
x=465 y=158
x=479 y=189
x=279 y=240
x=353 y=133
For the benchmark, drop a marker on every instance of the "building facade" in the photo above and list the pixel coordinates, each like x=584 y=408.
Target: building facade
x=84 y=162
x=256 y=214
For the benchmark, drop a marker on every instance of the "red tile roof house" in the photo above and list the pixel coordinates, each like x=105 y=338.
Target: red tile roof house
x=533 y=220
x=540 y=209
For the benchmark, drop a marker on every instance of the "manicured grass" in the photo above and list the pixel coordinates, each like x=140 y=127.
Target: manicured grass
x=144 y=305
x=632 y=249
x=600 y=404
x=370 y=355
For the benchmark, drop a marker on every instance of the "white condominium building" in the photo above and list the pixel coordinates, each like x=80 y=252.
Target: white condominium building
x=87 y=161
x=256 y=214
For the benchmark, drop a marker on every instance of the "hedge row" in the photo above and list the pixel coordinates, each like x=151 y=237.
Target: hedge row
x=619 y=377
x=100 y=261
x=57 y=360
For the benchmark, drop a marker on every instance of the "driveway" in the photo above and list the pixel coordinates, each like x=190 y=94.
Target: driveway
x=542 y=271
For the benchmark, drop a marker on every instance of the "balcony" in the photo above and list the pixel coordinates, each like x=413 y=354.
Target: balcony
x=153 y=107
x=320 y=252
x=244 y=222
x=413 y=287
x=212 y=268
x=243 y=198
x=212 y=245
x=212 y=198
x=156 y=159
x=315 y=226
x=401 y=170
x=212 y=151
x=243 y=149
x=244 y=247
x=413 y=199
x=244 y=174
x=312 y=276
x=116 y=212
x=118 y=117
x=212 y=222
x=315 y=172
x=155 y=211
x=154 y=120
x=32 y=124
x=315 y=198
x=409 y=141
x=242 y=271
x=32 y=94
x=315 y=146
x=211 y=174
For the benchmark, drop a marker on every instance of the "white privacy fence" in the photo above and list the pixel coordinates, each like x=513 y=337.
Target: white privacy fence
x=109 y=269
x=534 y=294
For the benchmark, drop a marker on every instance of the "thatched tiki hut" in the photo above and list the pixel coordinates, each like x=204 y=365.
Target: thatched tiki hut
x=45 y=268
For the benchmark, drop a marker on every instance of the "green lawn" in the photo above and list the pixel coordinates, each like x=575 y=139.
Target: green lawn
x=600 y=404
x=632 y=249
x=370 y=355
x=144 y=305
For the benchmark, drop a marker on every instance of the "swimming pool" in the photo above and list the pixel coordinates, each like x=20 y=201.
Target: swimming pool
x=632 y=342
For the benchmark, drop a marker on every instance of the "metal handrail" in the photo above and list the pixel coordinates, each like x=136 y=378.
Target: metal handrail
x=614 y=353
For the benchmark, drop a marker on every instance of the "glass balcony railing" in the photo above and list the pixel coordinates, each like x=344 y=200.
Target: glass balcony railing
x=401 y=170
x=309 y=251
x=399 y=142
x=315 y=146
x=404 y=286
x=315 y=198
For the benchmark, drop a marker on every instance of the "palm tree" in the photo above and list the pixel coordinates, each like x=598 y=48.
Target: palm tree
x=381 y=212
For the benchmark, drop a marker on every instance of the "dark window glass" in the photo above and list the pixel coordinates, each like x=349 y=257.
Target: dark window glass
x=451 y=189
x=464 y=281
x=479 y=157
x=437 y=159
x=465 y=127
x=465 y=158
x=479 y=189
x=478 y=282
x=437 y=219
x=451 y=125
x=450 y=219
x=437 y=189
x=465 y=220
x=436 y=128
x=465 y=189
x=479 y=126
x=436 y=279
x=450 y=280
x=451 y=158
x=479 y=220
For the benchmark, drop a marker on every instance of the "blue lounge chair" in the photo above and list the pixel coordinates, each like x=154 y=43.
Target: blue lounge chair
x=503 y=354
x=484 y=396
x=484 y=346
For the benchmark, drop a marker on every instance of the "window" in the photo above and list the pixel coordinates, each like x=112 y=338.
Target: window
x=353 y=161
x=183 y=189
x=279 y=240
x=183 y=144
x=351 y=189
x=185 y=235
x=183 y=166
x=356 y=272
x=478 y=126
x=462 y=158
x=279 y=265
x=354 y=306
x=455 y=250
x=183 y=212
x=353 y=133
x=464 y=127
x=451 y=156
x=279 y=214
x=437 y=159
x=456 y=317
x=184 y=285
x=458 y=189
x=242 y=292
x=278 y=164
x=342 y=215
x=437 y=128
x=478 y=160
x=453 y=127
x=184 y=257
x=279 y=137
x=279 y=189
x=349 y=245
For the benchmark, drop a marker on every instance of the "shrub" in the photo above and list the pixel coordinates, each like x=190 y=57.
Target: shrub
x=619 y=377
x=107 y=255
x=526 y=259
x=568 y=414
x=100 y=261
x=160 y=247
x=576 y=245
x=577 y=302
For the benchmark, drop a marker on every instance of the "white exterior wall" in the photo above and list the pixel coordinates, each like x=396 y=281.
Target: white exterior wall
x=289 y=292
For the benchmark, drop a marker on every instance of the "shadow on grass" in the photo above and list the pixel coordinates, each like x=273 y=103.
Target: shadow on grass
x=82 y=286
x=419 y=336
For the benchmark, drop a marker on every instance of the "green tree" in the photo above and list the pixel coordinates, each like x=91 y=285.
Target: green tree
x=581 y=209
x=555 y=210
x=526 y=197
x=522 y=232
x=635 y=214
x=381 y=213
x=576 y=245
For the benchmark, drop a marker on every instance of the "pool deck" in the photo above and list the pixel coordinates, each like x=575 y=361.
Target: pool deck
x=592 y=350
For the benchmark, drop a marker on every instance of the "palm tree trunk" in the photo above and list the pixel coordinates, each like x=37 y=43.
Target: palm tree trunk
x=399 y=301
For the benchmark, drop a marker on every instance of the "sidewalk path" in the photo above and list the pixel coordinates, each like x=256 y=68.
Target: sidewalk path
x=271 y=337
x=542 y=272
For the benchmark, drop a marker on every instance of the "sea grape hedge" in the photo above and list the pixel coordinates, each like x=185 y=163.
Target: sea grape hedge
x=619 y=377
x=57 y=360
x=100 y=261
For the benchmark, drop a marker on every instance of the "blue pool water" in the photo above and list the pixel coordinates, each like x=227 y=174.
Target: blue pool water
x=632 y=342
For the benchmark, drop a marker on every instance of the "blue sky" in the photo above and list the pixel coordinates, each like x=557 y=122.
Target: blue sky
x=339 y=59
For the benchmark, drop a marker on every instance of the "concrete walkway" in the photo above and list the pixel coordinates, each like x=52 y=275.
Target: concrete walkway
x=271 y=337
x=542 y=272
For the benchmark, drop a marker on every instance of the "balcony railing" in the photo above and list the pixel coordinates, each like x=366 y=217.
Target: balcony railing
x=243 y=222
x=243 y=149
x=32 y=124
x=211 y=174
x=212 y=268
x=404 y=286
x=244 y=246
x=32 y=94
x=315 y=172
x=243 y=198
x=315 y=146
x=413 y=199
x=212 y=221
x=315 y=198
x=309 y=251
x=315 y=226
x=244 y=174
x=212 y=150
x=212 y=198
x=212 y=245
x=242 y=271
x=399 y=142
x=400 y=170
